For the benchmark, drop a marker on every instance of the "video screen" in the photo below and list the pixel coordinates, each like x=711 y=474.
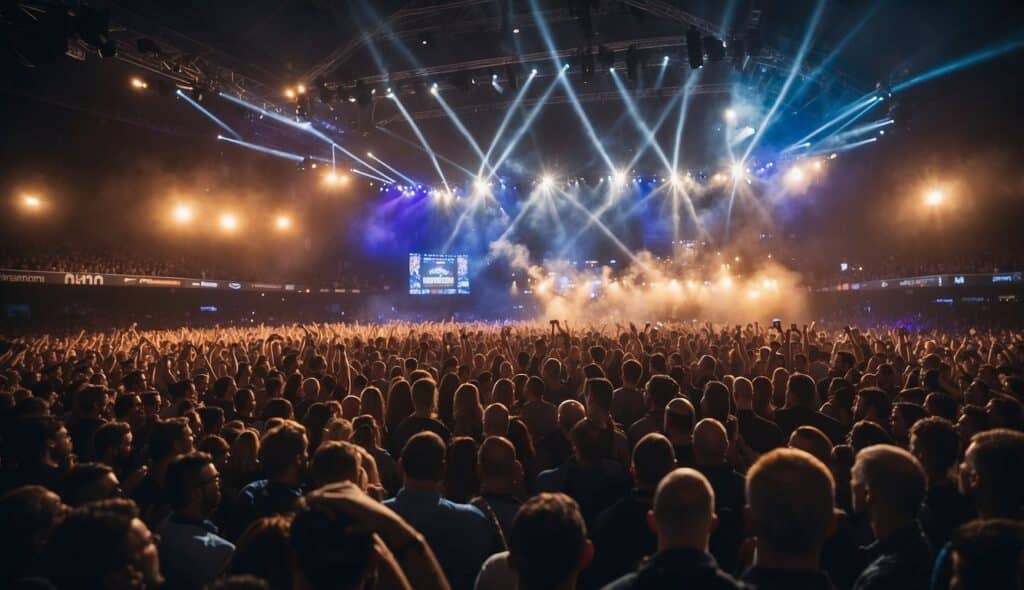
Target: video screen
x=438 y=274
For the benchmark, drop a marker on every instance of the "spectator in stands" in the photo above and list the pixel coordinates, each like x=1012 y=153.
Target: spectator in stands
x=263 y=551
x=761 y=434
x=799 y=410
x=332 y=544
x=888 y=487
x=660 y=390
x=933 y=441
x=872 y=404
x=987 y=555
x=104 y=546
x=556 y=448
x=459 y=534
x=593 y=480
x=539 y=414
x=283 y=457
x=628 y=403
x=192 y=554
x=29 y=514
x=548 y=546
x=683 y=517
x=790 y=498
x=89 y=482
x=168 y=439
x=424 y=401
x=621 y=534
x=501 y=479
x=679 y=429
x=496 y=420
x=710 y=447
x=41 y=448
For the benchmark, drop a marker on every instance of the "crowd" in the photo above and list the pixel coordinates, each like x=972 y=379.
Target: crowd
x=530 y=456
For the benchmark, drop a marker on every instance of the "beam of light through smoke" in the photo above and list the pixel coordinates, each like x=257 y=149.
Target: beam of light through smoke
x=208 y=114
x=263 y=149
x=812 y=27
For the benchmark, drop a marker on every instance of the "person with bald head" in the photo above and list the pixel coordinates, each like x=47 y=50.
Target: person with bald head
x=762 y=435
x=790 y=499
x=682 y=517
x=501 y=477
x=679 y=419
x=710 y=447
x=888 y=487
x=496 y=420
x=620 y=534
x=555 y=448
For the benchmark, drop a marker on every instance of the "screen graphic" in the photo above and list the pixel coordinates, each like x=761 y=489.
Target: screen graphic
x=438 y=274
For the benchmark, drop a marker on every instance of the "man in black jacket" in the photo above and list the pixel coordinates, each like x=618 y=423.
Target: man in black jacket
x=683 y=518
x=799 y=410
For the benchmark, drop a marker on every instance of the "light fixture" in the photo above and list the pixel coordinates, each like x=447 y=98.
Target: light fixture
x=182 y=213
x=228 y=222
x=138 y=83
x=283 y=222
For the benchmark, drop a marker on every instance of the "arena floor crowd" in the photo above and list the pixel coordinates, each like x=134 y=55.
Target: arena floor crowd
x=533 y=455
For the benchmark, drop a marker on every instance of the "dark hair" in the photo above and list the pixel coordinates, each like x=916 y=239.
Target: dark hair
x=328 y=554
x=988 y=554
x=588 y=441
x=164 y=435
x=934 y=442
x=263 y=551
x=653 y=458
x=91 y=543
x=461 y=480
x=877 y=399
x=802 y=388
x=212 y=418
x=599 y=393
x=178 y=389
x=29 y=514
x=546 y=540
x=31 y=435
x=277 y=407
x=632 y=371
x=423 y=457
x=714 y=403
x=183 y=477
x=109 y=436
x=661 y=389
x=942 y=405
x=334 y=462
x=280 y=446
x=997 y=460
x=865 y=434
x=79 y=485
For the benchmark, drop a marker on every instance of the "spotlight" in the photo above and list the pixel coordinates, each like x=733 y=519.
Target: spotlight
x=283 y=222
x=301 y=89
x=289 y=93
x=730 y=115
x=515 y=31
x=182 y=213
x=737 y=170
x=817 y=165
x=533 y=72
x=32 y=202
x=934 y=197
x=795 y=176
x=675 y=179
x=619 y=177
x=433 y=88
x=138 y=83
x=481 y=185
x=664 y=60
x=228 y=222
x=546 y=182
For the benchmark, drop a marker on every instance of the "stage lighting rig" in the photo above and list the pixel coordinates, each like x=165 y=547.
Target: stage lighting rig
x=512 y=76
x=586 y=61
x=138 y=83
x=632 y=63
x=714 y=48
x=605 y=58
x=694 y=48
x=93 y=27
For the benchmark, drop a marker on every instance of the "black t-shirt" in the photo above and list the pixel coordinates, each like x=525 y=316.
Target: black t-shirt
x=412 y=426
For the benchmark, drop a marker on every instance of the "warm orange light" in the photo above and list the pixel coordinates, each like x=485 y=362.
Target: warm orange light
x=182 y=213
x=934 y=197
x=139 y=83
x=283 y=222
x=32 y=202
x=228 y=222
x=288 y=92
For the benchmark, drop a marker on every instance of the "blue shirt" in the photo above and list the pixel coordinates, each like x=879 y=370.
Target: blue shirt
x=192 y=554
x=262 y=498
x=459 y=534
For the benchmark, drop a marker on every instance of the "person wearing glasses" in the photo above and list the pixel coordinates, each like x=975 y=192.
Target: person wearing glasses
x=192 y=554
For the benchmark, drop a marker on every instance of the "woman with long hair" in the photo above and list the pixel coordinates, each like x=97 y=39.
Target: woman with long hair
x=446 y=398
x=525 y=450
x=243 y=465
x=366 y=433
x=467 y=413
x=461 y=480
x=372 y=403
x=399 y=405
x=315 y=421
